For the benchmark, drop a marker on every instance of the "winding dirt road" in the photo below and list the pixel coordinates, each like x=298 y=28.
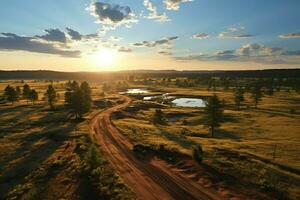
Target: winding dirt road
x=149 y=180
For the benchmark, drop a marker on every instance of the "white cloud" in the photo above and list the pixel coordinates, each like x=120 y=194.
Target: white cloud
x=234 y=33
x=153 y=14
x=290 y=35
x=174 y=4
x=200 y=36
x=250 y=52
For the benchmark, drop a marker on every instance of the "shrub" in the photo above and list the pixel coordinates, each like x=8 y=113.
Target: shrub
x=93 y=158
x=197 y=153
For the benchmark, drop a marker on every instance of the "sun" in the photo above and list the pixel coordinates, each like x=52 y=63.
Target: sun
x=104 y=58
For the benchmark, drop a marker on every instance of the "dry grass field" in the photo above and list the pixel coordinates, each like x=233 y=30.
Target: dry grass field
x=259 y=145
x=45 y=154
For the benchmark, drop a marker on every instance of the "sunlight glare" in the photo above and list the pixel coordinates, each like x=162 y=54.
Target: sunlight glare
x=104 y=58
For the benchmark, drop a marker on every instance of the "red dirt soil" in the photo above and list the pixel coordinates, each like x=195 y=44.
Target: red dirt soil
x=156 y=179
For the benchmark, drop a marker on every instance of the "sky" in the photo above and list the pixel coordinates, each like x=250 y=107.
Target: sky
x=111 y=35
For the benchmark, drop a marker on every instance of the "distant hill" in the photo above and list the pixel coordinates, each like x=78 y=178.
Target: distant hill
x=99 y=76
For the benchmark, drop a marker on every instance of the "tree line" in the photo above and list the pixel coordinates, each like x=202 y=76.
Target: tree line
x=77 y=96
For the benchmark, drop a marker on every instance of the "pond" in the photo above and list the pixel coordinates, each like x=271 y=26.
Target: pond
x=163 y=96
x=189 y=102
x=136 y=91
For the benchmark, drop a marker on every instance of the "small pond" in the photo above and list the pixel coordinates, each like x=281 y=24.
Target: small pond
x=189 y=102
x=163 y=96
x=136 y=91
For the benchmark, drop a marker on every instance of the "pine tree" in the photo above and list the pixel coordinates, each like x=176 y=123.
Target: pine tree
x=78 y=98
x=10 y=94
x=256 y=93
x=238 y=97
x=51 y=96
x=33 y=96
x=18 y=92
x=87 y=95
x=26 y=92
x=213 y=113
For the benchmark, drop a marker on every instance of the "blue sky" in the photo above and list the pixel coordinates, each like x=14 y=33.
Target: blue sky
x=233 y=31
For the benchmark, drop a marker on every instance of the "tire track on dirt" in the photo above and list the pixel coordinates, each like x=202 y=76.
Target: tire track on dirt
x=149 y=180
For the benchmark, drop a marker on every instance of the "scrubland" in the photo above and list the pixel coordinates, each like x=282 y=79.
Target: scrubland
x=259 y=145
x=47 y=154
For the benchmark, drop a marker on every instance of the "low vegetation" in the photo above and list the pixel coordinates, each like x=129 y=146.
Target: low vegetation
x=46 y=154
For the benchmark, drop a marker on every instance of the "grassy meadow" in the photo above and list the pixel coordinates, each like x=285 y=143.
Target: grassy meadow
x=45 y=154
x=259 y=145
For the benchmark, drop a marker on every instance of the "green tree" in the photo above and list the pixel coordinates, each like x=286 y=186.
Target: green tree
x=256 y=93
x=33 y=96
x=87 y=95
x=10 y=94
x=213 y=113
x=71 y=87
x=51 y=96
x=78 y=98
x=18 y=91
x=238 y=97
x=26 y=92
x=159 y=117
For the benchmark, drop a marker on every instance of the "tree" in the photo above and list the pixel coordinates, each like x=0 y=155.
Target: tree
x=33 y=96
x=87 y=95
x=78 y=98
x=18 y=91
x=270 y=87
x=213 y=113
x=11 y=94
x=71 y=87
x=26 y=92
x=159 y=117
x=105 y=87
x=238 y=97
x=51 y=96
x=256 y=93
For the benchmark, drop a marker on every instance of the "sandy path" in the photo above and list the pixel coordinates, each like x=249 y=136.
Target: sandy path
x=149 y=180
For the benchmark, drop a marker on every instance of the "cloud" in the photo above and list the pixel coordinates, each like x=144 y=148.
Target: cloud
x=153 y=12
x=112 y=15
x=12 y=42
x=165 y=53
x=200 y=36
x=54 y=35
x=234 y=33
x=290 y=35
x=125 y=50
x=292 y=53
x=174 y=4
x=74 y=34
x=165 y=42
x=250 y=52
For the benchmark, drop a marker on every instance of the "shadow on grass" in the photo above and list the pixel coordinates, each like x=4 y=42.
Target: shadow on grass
x=55 y=133
x=222 y=134
x=179 y=139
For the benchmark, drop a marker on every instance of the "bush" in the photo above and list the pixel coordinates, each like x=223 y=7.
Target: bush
x=93 y=159
x=292 y=111
x=142 y=149
x=197 y=153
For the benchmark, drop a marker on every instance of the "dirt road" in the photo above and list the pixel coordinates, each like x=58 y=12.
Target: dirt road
x=149 y=180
